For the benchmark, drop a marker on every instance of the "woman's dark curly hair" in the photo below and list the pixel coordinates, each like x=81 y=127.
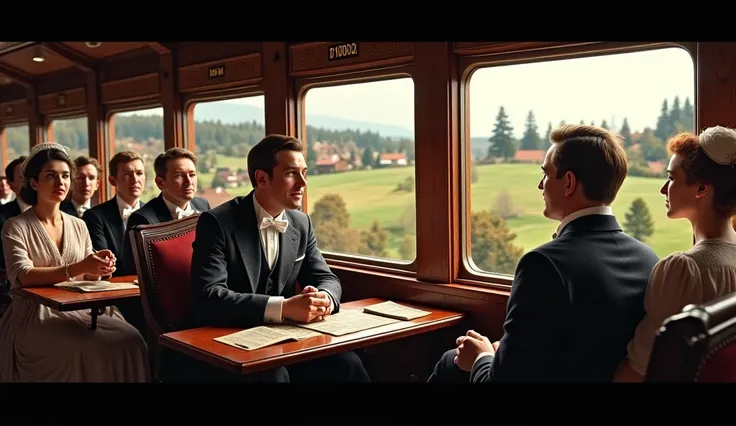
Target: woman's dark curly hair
x=33 y=171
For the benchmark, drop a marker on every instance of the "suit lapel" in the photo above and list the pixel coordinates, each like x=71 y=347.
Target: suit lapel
x=287 y=253
x=114 y=222
x=249 y=242
x=159 y=206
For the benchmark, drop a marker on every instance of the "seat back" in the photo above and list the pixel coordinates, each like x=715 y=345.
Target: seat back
x=163 y=257
x=697 y=345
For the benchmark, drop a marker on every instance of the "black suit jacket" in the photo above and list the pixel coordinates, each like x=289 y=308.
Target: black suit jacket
x=155 y=211
x=226 y=265
x=575 y=303
x=106 y=227
x=7 y=211
x=67 y=207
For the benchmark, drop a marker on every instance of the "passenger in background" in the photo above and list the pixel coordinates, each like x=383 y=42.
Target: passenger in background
x=84 y=185
x=250 y=252
x=6 y=194
x=576 y=300
x=107 y=221
x=8 y=210
x=176 y=177
x=700 y=187
x=44 y=246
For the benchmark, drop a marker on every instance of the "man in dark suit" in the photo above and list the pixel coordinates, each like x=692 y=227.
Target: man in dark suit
x=250 y=252
x=576 y=300
x=107 y=221
x=176 y=177
x=8 y=210
x=86 y=182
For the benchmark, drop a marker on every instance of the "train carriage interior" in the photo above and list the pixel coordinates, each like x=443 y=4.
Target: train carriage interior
x=424 y=163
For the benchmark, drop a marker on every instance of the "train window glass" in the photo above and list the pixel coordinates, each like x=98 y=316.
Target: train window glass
x=18 y=140
x=142 y=132
x=360 y=157
x=513 y=109
x=224 y=132
x=72 y=133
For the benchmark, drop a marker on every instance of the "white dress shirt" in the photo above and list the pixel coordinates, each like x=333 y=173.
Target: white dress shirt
x=125 y=210
x=81 y=208
x=605 y=210
x=177 y=212
x=269 y=236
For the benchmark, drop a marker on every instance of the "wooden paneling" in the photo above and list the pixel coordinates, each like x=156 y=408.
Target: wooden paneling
x=240 y=71
x=10 y=92
x=71 y=78
x=312 y=59
x=131 y=90
x=486 y=47
x=130 y=66
x=23 y=60
x=60 y=102
x=14 y=111
x=716 y=84
x=106 y=49
x=199 y=53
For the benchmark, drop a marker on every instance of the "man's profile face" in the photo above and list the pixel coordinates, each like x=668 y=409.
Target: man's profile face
x=86 y=182
x=4 y=187
x=553 y=189
x=288 y=180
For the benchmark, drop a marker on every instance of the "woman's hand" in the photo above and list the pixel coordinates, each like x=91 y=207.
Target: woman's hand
x=99 y=263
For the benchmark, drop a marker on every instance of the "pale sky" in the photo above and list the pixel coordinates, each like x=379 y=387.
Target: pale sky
x=608 y=87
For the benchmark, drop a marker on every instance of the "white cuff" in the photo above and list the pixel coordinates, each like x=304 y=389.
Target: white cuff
x=274 y=307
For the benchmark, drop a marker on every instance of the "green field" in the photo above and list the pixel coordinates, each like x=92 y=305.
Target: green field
x=370 y=195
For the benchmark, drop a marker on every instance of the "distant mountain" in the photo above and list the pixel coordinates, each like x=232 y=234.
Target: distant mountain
x=229 y=113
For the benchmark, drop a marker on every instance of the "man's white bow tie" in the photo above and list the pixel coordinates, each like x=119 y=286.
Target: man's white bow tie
x=280 y=225
x=181 y=214
x=127 y=211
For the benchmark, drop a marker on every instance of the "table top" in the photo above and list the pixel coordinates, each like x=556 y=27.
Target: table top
x=199 y=342
x=67 y=300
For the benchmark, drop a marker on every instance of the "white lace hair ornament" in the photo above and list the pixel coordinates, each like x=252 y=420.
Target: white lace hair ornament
x=35 y=150
x=719 y=144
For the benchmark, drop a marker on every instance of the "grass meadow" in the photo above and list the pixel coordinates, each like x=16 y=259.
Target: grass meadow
x=369 y=195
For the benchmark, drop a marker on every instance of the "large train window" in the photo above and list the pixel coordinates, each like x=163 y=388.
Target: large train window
x=18 y=141
x=644 y=96
x=142 y=132
x=360 y=157
x=73 y=134
x=224 y=132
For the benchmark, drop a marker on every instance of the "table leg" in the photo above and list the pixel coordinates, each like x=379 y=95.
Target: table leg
x=94 y=313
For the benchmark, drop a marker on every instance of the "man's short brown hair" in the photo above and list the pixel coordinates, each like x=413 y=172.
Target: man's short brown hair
x=122 y=158
x=10 y=168
x=263 y=156
x=82 y=161
x=699 y=168
x=160 y=164
x=595 y=155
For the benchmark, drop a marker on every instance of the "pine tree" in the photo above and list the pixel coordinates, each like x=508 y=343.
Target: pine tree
x=638 y=222
x=502 y=141
x=531 y=139
x=625 y=132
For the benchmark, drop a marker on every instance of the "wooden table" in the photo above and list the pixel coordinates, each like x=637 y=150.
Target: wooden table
x=198 y=342
x=66 y=300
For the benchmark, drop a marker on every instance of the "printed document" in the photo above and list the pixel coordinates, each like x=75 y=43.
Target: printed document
x=93 y=286
x=348 y=321
x=394 y=310
x=266 y=335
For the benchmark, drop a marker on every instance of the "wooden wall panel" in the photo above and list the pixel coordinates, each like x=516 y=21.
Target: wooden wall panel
x=486 y=47
x=11 y=92
x=61 y=102
x=716 y=90
x=313 y=59
x=226 y=73
x=201 y=52
x=14 y=111
x=130 y=90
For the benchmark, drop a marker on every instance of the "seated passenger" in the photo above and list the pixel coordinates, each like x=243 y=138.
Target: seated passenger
x=85 y=183
x=576 y=300
x=700 y=187
x=176 y=177
x=250 y=252
x=44 y=246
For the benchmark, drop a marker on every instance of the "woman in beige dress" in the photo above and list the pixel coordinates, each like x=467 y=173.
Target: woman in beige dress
x=701 y=187
x=44 y=246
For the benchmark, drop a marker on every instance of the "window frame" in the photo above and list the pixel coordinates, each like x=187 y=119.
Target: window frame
x=109 y=112
x=468 y=65
x=302 y=86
